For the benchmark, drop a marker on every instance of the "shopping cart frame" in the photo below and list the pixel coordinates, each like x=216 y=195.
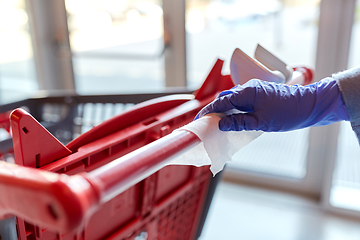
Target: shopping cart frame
x=205 y=94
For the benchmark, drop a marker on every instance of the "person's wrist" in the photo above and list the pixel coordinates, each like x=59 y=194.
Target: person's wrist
x=329 y=106
x=343 y=108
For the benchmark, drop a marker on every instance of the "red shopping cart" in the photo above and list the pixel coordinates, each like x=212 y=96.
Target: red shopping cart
x=135 y=198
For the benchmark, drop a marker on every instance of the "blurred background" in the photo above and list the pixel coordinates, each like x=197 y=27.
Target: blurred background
x=306 y=182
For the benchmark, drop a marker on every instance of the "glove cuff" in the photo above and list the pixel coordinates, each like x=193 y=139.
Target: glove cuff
x=349 y=84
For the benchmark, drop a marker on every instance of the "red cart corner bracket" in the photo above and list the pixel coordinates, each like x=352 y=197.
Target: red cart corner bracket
x=111 y=181
x=31 y=140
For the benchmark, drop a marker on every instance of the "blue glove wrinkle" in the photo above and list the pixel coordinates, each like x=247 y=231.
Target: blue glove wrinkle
x=239 y=122
x=240 y=102
x=223 y=93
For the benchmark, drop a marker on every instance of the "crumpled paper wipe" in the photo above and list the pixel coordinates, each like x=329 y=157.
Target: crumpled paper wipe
x=217 y=147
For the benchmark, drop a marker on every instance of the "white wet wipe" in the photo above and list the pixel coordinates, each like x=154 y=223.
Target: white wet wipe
x=217 y=147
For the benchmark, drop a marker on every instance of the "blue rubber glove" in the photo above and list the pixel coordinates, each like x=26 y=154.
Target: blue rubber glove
x=272 y=107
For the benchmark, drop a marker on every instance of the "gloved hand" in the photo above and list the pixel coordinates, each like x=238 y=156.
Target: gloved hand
x=274 y=107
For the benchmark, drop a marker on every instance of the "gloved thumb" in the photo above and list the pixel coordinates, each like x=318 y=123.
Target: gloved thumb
x=239 y=122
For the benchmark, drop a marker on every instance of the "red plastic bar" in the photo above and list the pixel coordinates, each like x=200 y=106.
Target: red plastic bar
x=130 y=169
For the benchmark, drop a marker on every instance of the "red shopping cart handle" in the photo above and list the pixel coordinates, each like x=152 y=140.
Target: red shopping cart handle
x=63 y=203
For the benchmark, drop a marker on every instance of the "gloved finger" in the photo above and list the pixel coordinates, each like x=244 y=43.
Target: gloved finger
x=239 y=122
x=230 y=102
x=226 y=101
x=210 y=108
x=222 y=105
x=215 y=106
x=205 y=110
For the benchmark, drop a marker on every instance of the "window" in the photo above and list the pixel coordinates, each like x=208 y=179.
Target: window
x=17 y=69
x=117 y=45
